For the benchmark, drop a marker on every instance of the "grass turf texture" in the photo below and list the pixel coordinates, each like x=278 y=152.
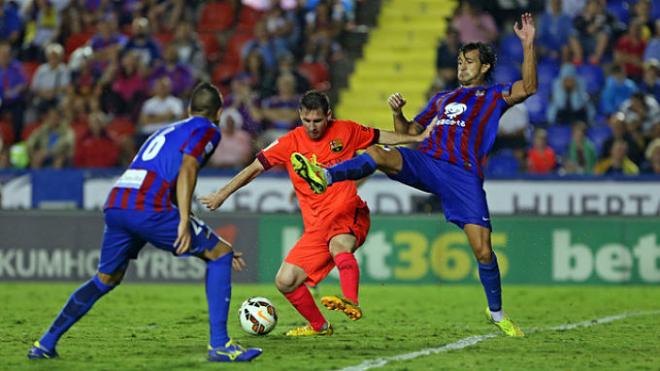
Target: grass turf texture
x=159 y=326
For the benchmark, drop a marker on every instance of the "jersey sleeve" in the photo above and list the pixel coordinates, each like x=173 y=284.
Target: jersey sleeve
x=425 y=117
x=503 y=89
x=363 y=136
x=202 y=142
x=278 y=152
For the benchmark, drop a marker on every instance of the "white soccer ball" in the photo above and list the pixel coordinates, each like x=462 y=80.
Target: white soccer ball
x=257 y=316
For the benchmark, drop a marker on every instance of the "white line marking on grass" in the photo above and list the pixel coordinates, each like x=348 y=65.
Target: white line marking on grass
x=473 y=340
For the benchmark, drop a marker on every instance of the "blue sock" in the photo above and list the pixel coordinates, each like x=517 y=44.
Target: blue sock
x=218 y=294
x=79 y=303
x=490 y=279
x=356 y=168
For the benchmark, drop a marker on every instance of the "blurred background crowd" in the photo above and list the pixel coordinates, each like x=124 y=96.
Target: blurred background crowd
x=85 y=82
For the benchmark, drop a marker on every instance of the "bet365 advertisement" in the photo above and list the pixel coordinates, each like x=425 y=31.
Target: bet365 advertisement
x=421 y=249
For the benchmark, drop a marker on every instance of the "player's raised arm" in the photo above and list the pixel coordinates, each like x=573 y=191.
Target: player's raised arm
x=213 y=200
x=401 y=124
x=526 y=87
x=394 y=138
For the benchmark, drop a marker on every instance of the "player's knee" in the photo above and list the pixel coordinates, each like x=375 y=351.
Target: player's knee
x=284 y=284
x=484 y=254
x=113 y=279
x=220 y=250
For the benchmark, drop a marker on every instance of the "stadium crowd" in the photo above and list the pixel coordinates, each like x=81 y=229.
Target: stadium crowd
x=85 y=82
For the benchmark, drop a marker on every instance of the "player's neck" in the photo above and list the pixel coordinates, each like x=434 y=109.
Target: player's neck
x=475 y=84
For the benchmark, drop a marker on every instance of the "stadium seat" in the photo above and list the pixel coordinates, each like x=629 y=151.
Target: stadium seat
x=223 y=73
x=547 y=70
x=75 y=41
x=503 y=163
x=510 y=49
x=655 y=10
x=235 y=45
x=536 y=108
x=215 y=16
x=593 y=77
x=505 y=73
x=28 y=129
x=211 y=46
x=120 y=127
x=7 y=133
x=620 y=10
x=598 y=134
x=318 y=75
x=30 y=68
x=559 y=138
x=247 y=18
x=164 y=38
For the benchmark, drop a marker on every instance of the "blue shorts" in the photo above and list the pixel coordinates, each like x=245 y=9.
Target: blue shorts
x=127 y=231
x=461 y=191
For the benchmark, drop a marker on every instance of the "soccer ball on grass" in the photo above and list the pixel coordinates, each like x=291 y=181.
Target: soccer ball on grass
x=257 y=316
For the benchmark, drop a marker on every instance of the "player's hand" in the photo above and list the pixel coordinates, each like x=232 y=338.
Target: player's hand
x=396 y=102
x=238 y=263
x=213 y=200
x=183 y=239
x=525 y=30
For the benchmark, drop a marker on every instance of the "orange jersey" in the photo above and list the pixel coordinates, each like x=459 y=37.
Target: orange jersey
x=339 y=143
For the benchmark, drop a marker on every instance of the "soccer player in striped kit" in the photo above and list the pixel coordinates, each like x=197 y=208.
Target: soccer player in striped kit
x=150 y=202
x=449 y=163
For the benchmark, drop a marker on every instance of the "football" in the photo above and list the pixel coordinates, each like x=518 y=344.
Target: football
x=257 y=316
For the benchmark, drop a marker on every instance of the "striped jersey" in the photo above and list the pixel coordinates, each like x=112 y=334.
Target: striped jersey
x=149 y=183
x=467 y=120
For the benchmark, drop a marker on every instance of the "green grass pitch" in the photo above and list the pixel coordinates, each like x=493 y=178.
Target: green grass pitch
x=164 y=327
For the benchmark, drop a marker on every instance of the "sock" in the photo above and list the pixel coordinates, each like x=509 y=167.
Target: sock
x=490 y=279
x=496 y=315
x=302 y=300
x=356 y=168
x=79 y=303
x=218 y=295
x=349 y=275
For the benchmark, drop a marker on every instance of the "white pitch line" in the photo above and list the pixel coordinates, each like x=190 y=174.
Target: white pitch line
x=472 y=340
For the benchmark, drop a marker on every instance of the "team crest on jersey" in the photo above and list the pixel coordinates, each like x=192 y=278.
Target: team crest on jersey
x=336 y=145
x=480 y=93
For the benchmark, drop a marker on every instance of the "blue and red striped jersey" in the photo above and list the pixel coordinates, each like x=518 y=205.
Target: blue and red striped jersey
x=149 y=183
x=467 y=120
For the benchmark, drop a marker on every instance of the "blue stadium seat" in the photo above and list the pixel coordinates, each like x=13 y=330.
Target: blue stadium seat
x=655 y=9
x=510 y=48
x=559 y=138
x=505 y=73
x=536 y=107
x=503 y=163
x=593 y=77
x=598 y=135
x=547 y=70
x=619 y=9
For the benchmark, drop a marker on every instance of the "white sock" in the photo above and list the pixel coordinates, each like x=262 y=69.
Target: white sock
x=328 y=176
x=497 y=316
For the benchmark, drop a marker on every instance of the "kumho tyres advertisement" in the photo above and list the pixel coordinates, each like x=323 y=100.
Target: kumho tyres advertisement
x=532 y=250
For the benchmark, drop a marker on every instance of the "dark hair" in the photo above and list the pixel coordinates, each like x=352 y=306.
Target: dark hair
x=206 y=100
x=486 y=55
x=313 y=100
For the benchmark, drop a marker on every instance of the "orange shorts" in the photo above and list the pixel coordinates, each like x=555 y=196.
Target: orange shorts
x=312 y=251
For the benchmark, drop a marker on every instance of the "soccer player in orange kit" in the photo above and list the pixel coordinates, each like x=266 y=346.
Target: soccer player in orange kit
x=336 y=222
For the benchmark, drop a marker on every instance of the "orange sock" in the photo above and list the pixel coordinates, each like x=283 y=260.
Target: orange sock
x=302 y=300
x=349 y=275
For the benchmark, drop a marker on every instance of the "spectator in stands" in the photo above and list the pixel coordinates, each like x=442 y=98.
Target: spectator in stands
x=321 y=31
x=594 y=30
x=179 y=73
x=570 y=101
x=617 y=89
x=268 y=47
x=618 y=162
x=650 y=83
x=125 y=86
x=42 y=24
x=13 y=87
x=641 y=112
x=445 y=60
x=629 y=50
x=512 y=131
x=642 y=10
x=620 y=132
x=10 y=22
x=582 y=154
x=256 y=71
x=281 y=25
x=189 y=49
x=235 y=149
x=555 y=34
x=51 y=80
x=473 y=24
x=652 y=164
x=653 y=48
x=541 y=158
x=142 y=41
x=96 y=149
x=281 y=110
x=161 y=109
x=107 y=42
x=52 y=144
x=286 y=65
x=243 y=99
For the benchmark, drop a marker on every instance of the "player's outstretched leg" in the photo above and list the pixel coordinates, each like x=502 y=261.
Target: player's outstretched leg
x=310 y=172
x=319 y=178
x=218 y=295
x=80 y=302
